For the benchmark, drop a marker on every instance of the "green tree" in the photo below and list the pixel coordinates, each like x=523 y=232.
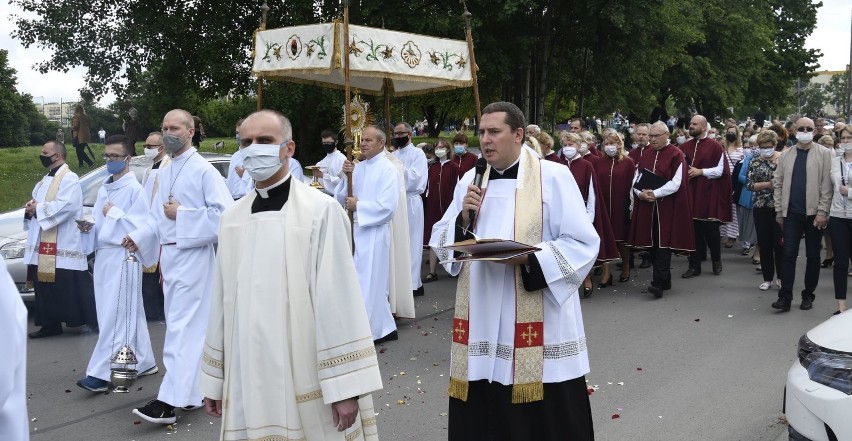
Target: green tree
x=20 y=121
x=837 y=91
x=813 y=98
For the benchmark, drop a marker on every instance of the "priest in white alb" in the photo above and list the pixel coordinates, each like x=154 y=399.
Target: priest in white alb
x=416 y=175
x=121 y=208
x=400 y=295
x=374 y=200
x=518 y=356
x=56 y=264
x=152 y=289
x=288 y=353
x=14 y=424
x=329 y=169
x=182 y=227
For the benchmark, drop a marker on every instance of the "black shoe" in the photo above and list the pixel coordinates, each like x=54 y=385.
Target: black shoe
x=656 y=291
x=836 y=312
x=605 y=284
x=393 y=336
x=827 y=263
x=807 y=303
x=587 y=291
x=419 y=292
x=624 y=279
x=157 y=412
x=45 y=332
x=645 y=264
x=782 y=304
x=717 y=267
x=690 y=273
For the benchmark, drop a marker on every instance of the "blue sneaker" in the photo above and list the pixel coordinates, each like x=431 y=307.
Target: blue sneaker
x=93 y=384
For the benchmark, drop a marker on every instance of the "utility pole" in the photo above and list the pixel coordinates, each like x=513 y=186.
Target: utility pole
x=849 y=77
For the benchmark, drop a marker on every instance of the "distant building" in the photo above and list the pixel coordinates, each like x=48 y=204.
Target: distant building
x=822 y=79
x=58 y=112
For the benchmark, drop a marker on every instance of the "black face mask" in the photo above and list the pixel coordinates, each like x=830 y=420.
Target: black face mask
x=46 y=160
x=400 y=142
x=731 y=137
x=328 y=147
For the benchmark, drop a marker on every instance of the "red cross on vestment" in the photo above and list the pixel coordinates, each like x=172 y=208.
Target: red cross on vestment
x=460 y=331
x=529 y=334
x=47 y=248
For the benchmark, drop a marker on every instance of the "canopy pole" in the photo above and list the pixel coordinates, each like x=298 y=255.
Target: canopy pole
x=386 y=90
x=467 y=16
x=347 y=105
x=264 y=8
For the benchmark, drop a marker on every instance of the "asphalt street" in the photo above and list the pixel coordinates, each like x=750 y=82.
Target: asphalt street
x=706 y=362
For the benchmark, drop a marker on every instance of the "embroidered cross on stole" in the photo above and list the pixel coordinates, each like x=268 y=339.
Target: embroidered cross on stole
x=528 y=357
x=47 y=245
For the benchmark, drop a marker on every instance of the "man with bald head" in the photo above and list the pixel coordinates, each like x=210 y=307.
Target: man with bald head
x=661 y=216
x=803 y=192
x=288 y=345
x=182 y=228
x=374 y=201
x=710 y=187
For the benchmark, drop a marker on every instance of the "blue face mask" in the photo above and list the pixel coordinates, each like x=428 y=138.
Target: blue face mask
x=115 y=167
x=459 y=149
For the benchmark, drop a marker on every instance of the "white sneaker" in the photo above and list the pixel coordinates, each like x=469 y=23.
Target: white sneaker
x=150 y=371
x=764 y=286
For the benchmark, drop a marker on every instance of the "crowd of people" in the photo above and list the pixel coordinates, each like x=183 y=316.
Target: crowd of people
x=261 y=336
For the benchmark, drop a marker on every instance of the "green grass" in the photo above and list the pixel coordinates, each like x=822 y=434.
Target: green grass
x=20 y=168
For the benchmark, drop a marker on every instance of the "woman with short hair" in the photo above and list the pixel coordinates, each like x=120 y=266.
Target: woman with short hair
x=761 y=170
x=615 y=172
x=840 y=216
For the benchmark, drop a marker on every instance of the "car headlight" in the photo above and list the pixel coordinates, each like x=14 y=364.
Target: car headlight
x=832 y=370
x=806 y=347
x=14 y=250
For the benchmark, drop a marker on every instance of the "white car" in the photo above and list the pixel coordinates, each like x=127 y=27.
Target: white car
x=818 y=396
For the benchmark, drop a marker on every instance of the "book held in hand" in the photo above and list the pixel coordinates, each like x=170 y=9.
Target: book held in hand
x=648 y=180
x=489 y=250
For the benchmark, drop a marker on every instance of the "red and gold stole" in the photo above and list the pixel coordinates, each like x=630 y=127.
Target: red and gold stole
x=528 y=357
x=47 y=238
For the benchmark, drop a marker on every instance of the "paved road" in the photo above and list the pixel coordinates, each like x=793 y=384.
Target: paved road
x=707 y=362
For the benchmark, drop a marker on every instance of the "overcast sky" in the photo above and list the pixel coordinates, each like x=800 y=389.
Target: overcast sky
x=832 y=36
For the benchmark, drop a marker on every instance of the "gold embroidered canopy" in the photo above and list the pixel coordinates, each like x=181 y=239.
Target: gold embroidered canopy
x=314 y=54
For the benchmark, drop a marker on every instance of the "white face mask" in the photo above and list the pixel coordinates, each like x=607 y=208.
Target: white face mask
x=151 y=153
x=630 y=130
x=838 y=152
x=634 y=145
x=805 y=137
x=261 y=161
x=584 y=148
x=610 y=150
x=846 y=146
x=441 y=153
x=766 y=153
x=681 y=139
x=569 y=152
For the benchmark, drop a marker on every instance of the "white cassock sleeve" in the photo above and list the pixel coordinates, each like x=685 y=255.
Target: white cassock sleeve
x=417 y=174
x=378 y=206
x=64 y=207
x=118 y=223
x=590 y=204
x=715 y=172
x=200 y=226
x=444 y=231
x=14 y=424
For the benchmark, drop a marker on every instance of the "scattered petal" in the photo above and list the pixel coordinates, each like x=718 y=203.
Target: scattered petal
x=34 y=419
x=590 y=390
x=638 y=369
x=413 y=358
x=443 y=414
x=382 y=351
x=697 y=320
x=730 y=316
x=620 y=383
x=137 y=422
x=616 y=416
x=660 y=416
x=169 y=427
x=619 y=408
x=609 y=382
x=402 y=373
x=400 y=401
x=67 y=391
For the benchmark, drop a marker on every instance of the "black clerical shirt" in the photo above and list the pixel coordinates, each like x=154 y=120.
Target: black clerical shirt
x=531 y=274
x=272 y=198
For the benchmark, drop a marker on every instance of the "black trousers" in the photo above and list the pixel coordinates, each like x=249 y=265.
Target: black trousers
x=70 y=299
x=840 y=230
x=661 y=258
x=706 y=236
x=152 y=296
x=489 y=415
x=769 y=240
x=82 y=157
x=794 y=226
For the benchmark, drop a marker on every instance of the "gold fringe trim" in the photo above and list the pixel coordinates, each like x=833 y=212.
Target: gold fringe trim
x=150 y=269
x=46 y=277
x=458 y=389
x=527 y=393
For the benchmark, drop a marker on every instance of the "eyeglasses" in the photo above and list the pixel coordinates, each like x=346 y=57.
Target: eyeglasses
x=113 y=157
x=400 y=134
x=805 y=129
x=152 y=146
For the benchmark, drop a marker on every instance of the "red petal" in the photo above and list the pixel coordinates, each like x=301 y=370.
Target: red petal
x=615 y=415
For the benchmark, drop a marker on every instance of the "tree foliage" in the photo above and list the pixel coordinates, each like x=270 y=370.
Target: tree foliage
x=20 y=121
x=551 y=57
